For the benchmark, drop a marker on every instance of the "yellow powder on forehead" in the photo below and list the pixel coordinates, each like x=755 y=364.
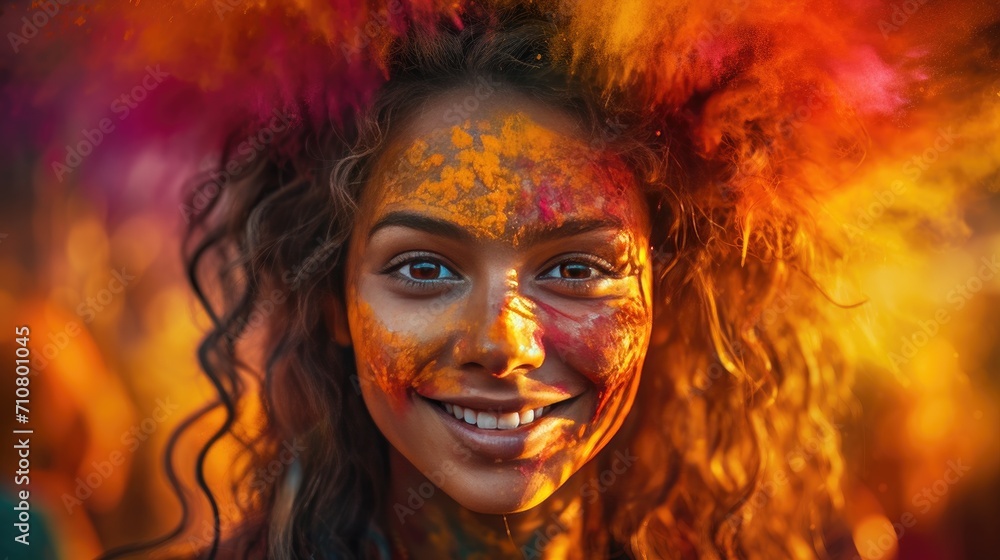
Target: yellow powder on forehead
x=485 y=164
x=415 y=153
x=434 y=160
x=460 y=138
x=520 y=136
x=490 y=143
x=476 y=183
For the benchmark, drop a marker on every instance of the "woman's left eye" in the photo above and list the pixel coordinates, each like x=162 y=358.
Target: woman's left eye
x=573 y=271
x=581 y=270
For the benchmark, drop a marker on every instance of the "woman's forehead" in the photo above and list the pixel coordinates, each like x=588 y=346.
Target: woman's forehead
x=502 y=169
x=467 y=106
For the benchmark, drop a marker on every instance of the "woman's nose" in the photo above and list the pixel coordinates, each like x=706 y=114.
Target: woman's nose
x=504 y=335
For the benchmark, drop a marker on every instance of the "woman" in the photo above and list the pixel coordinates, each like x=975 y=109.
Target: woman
x=502 y=312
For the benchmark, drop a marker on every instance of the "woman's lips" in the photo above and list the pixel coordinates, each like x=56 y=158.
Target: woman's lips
x=494 y=420
x=502 y=440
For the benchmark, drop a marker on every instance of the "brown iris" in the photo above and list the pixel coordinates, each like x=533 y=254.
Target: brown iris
x=425 y=270
x=575 y=271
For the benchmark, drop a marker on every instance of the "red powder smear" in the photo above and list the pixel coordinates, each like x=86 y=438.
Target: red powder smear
x=613 y=360
x=720 y=55
x=868 y=83
x=553 y=311
x=531 y=467
x=546 y=212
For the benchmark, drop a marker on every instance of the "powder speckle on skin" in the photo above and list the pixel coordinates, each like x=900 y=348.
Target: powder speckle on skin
x=483 y=176
x=546 y=210
x=490 y=143
x=415 y=153
x=389 y=354
x=460 y=138
x=434 y=160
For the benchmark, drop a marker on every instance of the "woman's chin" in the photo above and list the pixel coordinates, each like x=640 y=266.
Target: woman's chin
x=492 y=506
x=504 y=500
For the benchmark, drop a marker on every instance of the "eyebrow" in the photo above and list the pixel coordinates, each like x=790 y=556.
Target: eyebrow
x=532 y=235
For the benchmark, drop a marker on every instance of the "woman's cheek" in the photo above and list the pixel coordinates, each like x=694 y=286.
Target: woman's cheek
x=606 y=346
x=386 y=356
x=403 y=351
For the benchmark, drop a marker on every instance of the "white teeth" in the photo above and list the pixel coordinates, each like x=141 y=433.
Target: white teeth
x=486 y=421
x=527 y=416
x=493 y=421
x=506 y=421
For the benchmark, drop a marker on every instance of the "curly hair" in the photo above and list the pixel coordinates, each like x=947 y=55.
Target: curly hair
x=734 y=423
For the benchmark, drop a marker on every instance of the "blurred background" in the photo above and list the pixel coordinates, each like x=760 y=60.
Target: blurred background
x=90 y=227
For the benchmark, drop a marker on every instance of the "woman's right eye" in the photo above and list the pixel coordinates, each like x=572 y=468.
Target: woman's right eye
x=425 y=270
x=420 y=272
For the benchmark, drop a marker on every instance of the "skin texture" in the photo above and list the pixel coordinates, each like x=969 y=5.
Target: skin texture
x=501 y=258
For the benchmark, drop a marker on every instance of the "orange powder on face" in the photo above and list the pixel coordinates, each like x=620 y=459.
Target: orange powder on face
x=391 y=357
x=460 y=138
x=416 y=156
x=629 y=330
x=415 y=153
x=478 y=178
x=491 y=143
x=434 y=160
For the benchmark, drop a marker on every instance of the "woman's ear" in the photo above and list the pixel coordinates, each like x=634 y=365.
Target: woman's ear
x=336 y=320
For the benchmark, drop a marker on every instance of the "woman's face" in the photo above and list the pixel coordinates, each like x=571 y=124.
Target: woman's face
x=498 y=299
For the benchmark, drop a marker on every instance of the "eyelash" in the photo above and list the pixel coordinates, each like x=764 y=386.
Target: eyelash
x=393 y=267
x=604 y=270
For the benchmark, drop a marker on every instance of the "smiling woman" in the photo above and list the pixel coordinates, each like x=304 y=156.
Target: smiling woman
x=539 y=250
x=498 y=301
x=525 y=305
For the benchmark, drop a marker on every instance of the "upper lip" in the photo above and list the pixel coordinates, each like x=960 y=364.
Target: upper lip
x=496 y=403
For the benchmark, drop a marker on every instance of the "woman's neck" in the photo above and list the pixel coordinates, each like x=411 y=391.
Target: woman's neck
x=436 y=526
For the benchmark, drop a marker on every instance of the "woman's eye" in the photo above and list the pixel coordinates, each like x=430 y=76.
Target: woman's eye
x=577 y=270
x=582 y=275
x=572 y=271
x=425 y=270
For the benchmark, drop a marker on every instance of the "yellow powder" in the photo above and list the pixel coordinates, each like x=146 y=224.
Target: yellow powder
x=476 y=182
x=415 y=153
x=460 y=138
x=490 y=143
x=434 y=160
